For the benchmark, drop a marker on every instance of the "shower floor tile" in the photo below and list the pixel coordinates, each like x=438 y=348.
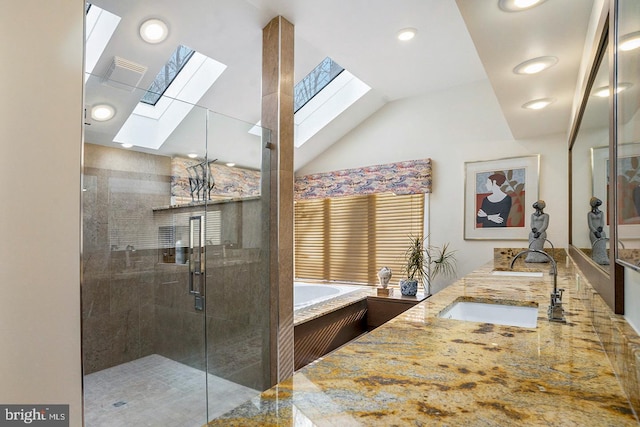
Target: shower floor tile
x=156 y=391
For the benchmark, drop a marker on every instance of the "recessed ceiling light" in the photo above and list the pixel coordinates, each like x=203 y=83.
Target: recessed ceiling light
x=231 y=164
x=623 y=86
x=518 y=5
x=603 y=91
x=102 y=112
x=535 y=65
x=407 y=34
x=125 y=145
x=629 y=41
x=154 y=31
x=538 y=104
x=192 y=155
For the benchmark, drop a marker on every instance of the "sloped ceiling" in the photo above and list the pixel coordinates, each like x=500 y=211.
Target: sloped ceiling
x=457 y=43
x=504 y=40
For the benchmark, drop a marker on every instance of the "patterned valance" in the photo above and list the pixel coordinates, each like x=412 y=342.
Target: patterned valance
x=411 y=177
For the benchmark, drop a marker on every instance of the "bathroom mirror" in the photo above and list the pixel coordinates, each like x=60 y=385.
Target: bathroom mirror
x=589 y=151
x=628 y=134
x=589 y=159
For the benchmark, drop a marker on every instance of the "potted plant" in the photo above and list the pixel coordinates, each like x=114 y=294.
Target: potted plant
x=424 y=263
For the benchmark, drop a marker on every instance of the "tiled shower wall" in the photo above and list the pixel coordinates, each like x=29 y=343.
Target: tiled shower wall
x=134 y=305
x=118 y=285
x=237 y=301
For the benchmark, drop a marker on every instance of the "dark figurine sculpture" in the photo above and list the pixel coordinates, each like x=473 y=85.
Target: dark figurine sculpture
x=597 y=235
x=538 y=234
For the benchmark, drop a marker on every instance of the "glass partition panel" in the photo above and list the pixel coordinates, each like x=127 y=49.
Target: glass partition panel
x=175 y=295
x=237 y=264
x=628 y=133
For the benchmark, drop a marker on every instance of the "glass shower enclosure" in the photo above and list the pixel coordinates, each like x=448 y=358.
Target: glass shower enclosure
x=175 y=283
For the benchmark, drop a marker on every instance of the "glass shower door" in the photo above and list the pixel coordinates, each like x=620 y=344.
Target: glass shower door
x=175 y=287
x=144 y=266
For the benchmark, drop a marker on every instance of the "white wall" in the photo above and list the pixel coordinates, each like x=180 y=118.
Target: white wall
x=597 y=20
x=632 y=298
x=452 y=127
x=40 y=138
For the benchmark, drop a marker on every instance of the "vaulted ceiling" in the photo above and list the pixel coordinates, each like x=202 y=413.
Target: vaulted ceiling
x=458 y=42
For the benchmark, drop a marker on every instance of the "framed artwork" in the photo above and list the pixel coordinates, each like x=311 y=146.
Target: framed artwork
x=600 y=180
x=628 y=188
x=627 y=183
x=497 y=195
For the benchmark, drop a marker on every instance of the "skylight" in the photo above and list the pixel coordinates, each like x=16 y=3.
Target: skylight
x=325 y=93
x=165 y=77
x=149 y=125
x=337 y=90
x=314 y=82
x=100 y=26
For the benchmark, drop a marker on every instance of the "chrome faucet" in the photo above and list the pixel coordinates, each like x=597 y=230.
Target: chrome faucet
x=606 y=239
x=553 y=249
x=555 y=312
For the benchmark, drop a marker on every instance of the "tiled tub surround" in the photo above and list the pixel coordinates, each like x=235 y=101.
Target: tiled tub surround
x=324 y=326
x=419 y=369
x=329 y=305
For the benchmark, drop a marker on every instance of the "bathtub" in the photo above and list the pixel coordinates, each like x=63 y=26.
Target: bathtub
x=326 y=316
x=308 y=294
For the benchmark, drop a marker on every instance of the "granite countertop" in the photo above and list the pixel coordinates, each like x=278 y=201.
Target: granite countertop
x=419 y=369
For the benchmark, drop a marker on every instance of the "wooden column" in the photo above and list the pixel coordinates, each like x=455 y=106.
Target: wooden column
x=277 y=116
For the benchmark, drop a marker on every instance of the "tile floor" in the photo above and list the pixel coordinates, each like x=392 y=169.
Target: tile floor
x=156 y=391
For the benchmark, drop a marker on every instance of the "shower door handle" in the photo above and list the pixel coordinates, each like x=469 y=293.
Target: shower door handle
x=196 y=255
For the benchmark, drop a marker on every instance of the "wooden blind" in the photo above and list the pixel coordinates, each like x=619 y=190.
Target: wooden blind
x=351 y=238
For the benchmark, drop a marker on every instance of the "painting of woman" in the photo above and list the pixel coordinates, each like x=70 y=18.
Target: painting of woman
x=495 y=207
x=496 y=193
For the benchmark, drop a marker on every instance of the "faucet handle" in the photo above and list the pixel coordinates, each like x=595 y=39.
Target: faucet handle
x=556 y=297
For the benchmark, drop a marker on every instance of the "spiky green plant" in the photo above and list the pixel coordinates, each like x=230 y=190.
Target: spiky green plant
x=428 y=262
x=443 y=261
x=415 y=259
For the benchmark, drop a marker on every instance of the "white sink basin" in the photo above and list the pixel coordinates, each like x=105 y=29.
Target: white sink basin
x=493 y=311
x=511 y=273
